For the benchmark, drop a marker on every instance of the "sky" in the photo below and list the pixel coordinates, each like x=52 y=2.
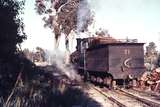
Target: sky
x=37 y=35
x=135 y=19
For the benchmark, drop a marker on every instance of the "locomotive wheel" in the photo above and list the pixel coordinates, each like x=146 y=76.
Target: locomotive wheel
x=86 y=76
x=99 y=80
x=107 y=81
x=93 y=78
x=82 y=76
x=114 y=84
x=134 y=83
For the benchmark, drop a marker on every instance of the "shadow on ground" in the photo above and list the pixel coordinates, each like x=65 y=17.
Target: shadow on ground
x=43 y=90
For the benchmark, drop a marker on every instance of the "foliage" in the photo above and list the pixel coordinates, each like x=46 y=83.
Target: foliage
x=11 y=35
x=151 y=56
x=22 y=84
x=11 y=27
x=45 y=90
x=38 y=56
x=63 y=16
x=151 y=49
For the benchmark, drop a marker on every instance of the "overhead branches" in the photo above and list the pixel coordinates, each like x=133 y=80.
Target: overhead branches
x=64 y=16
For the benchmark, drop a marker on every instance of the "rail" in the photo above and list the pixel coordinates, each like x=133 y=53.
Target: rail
x=151 y=103
x=109 y=97
x=151 y=93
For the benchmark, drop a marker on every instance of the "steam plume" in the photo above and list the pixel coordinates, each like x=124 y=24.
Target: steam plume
x=58 y=59
x=84 y=16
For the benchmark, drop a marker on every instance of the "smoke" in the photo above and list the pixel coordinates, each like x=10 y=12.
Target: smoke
x=58 y=58
x=84 y=16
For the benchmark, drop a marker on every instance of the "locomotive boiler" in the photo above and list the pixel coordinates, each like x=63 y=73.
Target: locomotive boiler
x=105 y=59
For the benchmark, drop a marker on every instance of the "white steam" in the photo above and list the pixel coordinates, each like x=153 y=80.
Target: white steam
x=58 y=58
x=83 y=12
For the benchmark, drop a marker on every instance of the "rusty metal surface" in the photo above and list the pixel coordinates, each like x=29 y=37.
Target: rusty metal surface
x=110 y=55
x=126 y=59
x=120 y=60
x=97 y=60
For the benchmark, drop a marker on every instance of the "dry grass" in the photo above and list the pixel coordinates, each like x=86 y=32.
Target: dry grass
x=43 y=90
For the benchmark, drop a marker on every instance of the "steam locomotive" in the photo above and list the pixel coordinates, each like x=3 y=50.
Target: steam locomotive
x=107 y=60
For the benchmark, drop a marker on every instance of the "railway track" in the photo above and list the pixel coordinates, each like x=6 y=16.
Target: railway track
x=124 y=98
x=120 y=99
x=149 y=101
x=148 y=93
x=108 y=97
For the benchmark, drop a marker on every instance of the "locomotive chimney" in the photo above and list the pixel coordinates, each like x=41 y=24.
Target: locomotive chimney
x=78 y=47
